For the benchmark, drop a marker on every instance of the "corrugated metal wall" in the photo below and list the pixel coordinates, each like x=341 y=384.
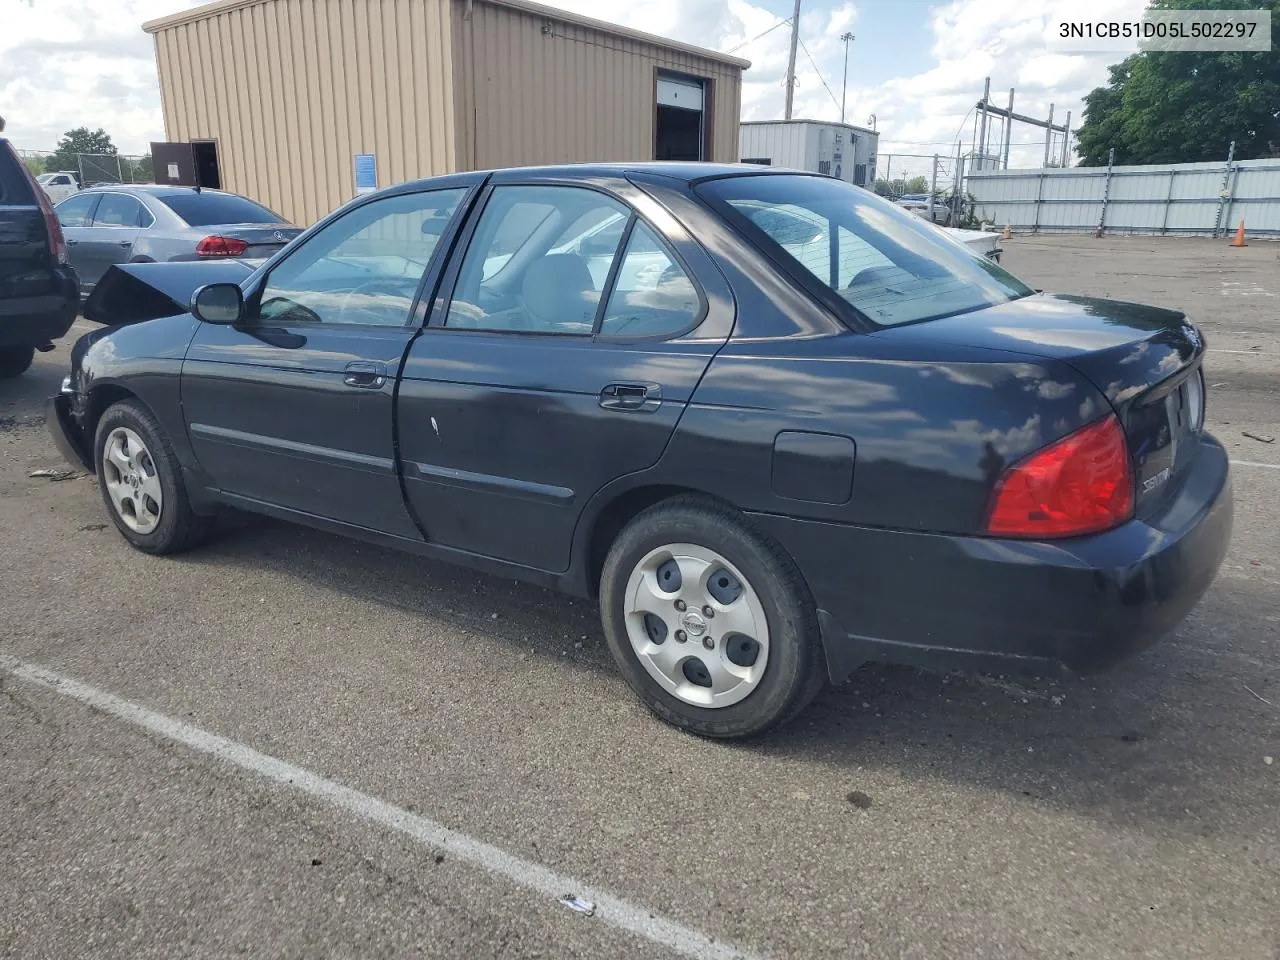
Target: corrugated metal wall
x=1183 y=198
x=532 y=89
x=786 y=144
x=291 y=90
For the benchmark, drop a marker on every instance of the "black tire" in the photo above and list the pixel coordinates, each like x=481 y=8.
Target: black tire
x=15 y=361
x=179 y=528
x=796 y=669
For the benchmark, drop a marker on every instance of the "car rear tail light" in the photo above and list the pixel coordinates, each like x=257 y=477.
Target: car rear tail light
x=1083 y=483
x=57 y=241
x=221 y=247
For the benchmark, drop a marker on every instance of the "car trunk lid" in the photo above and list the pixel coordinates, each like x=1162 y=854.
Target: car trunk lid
x=264 y=239
x=1145 y=360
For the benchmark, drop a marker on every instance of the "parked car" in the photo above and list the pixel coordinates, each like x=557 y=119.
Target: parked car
x=38 y=287
x=983 y=242
x=59 y=184
x=781 y=428
x=140 y=224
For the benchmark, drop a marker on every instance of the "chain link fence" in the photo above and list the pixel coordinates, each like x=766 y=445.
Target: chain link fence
x=931 y=184
x=91 y=168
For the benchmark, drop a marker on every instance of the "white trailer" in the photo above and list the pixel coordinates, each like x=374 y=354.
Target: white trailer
x=839 y=150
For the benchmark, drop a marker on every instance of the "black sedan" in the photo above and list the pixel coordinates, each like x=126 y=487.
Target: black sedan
x=777 y=425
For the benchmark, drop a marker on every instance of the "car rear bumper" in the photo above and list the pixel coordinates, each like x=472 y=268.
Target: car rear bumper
x=37 y=320
x=978 y=603
x=65 y=433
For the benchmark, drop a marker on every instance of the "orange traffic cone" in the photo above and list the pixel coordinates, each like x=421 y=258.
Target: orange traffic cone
x=1008 y=233
x=1239 y=240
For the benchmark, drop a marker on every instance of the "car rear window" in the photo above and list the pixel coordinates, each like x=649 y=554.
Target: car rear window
x=204 y=209
x=887 y=264
x=13 y=181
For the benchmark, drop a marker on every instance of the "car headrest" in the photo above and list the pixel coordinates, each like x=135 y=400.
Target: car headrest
x=558 y=289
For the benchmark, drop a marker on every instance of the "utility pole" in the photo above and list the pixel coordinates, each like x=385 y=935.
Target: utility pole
x=1066 y=140
x=933 y=186
x=1008 y=132
x=848 y=39
x=982 y=134
x=791 y=60
x=1048 y=135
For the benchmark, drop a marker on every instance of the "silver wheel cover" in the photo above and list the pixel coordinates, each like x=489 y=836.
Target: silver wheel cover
x=130 y=477
x=700 y=649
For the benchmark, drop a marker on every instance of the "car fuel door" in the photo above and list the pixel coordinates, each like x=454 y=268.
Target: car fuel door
x=573 y=327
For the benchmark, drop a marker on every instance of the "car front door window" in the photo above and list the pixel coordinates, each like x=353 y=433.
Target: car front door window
x=364 y=268
x=77 y=211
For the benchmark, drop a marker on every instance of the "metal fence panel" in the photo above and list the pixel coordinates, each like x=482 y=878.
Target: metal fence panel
x=1185 y=198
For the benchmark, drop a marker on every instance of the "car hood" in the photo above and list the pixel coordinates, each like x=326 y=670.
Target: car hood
x=134 y=292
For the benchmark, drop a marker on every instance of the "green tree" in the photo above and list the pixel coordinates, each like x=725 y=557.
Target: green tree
x=1183 y=107
x=34 y=164
x=77 y=141
x=137 y=169
x=916 y=185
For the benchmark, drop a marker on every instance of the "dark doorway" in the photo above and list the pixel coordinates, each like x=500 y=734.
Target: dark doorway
x=679 y=134
x=206 y=159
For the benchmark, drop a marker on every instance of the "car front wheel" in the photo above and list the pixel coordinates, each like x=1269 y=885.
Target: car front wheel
x=14 y=361
x=709 y=621
x=142 y=483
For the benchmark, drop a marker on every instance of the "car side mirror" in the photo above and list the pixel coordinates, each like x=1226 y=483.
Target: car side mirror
x=221 y=303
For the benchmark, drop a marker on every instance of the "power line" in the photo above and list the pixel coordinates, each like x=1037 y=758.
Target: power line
x=819 y=73
x=760 y=35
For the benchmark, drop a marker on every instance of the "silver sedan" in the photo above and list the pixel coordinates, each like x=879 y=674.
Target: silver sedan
x=143 y=224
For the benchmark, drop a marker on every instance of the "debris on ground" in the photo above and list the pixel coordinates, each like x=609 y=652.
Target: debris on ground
x=92 y=527
x=1268 y=760
x=859 y=799
x=55 y=475
x=1258 y=695
x=1255 y=436
x=578 y=904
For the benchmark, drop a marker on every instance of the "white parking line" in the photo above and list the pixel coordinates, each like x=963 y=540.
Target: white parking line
x=1255 y=463
x=610 y=909
x=1248 y=353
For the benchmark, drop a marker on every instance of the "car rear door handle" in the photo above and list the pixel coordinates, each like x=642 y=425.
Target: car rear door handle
x=641 y=397
x=365 y=374
x=125 y=243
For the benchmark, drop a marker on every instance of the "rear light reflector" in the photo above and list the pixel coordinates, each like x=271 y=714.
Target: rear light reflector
x=1083 y=483
x=52 y=226
x=221 y=247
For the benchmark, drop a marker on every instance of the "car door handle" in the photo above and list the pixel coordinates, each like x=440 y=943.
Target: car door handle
x=645 y=397
x=125 y=243
x=365 y=374
x=72 y=243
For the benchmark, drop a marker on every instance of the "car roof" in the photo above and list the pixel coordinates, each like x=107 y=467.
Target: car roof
x=687 y=171
x=158 y=190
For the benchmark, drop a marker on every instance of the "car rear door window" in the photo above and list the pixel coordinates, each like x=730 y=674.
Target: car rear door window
x=539 y=261
x=364 y=267
x=117 y=210
x=652 y=295
x=77 y=211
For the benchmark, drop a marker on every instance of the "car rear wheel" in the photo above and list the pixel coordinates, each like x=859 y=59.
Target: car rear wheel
x=142 y=483
x=14 y=361
x=709 y=621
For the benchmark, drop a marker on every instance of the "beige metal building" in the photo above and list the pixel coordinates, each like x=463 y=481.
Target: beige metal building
x=276 y=99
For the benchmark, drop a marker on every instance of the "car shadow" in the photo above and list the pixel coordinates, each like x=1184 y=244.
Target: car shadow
x=1170 y=734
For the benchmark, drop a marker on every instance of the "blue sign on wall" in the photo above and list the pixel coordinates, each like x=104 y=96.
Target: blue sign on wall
x=366 y=173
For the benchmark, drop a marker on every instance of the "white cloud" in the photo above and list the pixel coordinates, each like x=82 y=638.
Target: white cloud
x=64 y=64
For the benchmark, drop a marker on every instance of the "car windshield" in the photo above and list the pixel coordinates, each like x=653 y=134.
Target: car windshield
x=204 y=209
x=888 y=264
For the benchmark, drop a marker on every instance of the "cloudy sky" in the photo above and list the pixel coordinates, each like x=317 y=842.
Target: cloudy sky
x=917 y=65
